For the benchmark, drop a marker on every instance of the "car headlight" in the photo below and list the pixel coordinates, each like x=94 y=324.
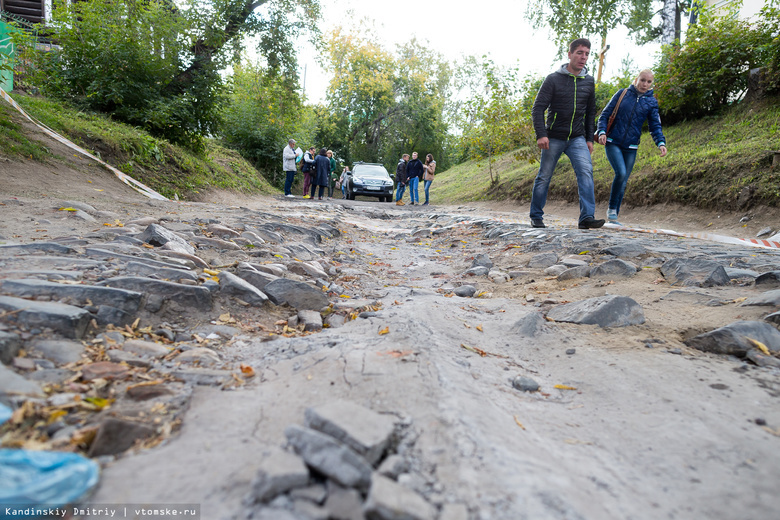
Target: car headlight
x=357 y=180
x=387 y=183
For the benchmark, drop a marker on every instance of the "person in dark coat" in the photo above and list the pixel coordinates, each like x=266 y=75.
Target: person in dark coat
x=414 y=172
x=568 y=95
x=621 y=143
x=400 y=178
x=322 y=177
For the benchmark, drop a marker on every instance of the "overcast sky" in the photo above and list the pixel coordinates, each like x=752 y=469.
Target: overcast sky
x=498 y=29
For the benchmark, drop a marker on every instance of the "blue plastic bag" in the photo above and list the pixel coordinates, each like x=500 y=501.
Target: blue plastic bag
x=41 y=479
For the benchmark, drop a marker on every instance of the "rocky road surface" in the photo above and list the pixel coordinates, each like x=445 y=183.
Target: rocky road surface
x=286 y=358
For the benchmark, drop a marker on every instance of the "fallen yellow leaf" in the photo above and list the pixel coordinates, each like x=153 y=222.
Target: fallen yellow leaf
x=760 y=346
x=479 y=327
x=211 y=272
x=386 y=330
x=564 y=387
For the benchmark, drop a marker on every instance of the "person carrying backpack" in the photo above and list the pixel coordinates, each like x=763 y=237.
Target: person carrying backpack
x=308 y=171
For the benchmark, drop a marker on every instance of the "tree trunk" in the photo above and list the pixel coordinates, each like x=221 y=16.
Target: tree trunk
x=669 y=15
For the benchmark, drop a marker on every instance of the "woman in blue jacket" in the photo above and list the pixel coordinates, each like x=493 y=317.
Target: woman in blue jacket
x=622 y=140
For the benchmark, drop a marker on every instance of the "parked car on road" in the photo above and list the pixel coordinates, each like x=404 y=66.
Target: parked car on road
x=369 y=179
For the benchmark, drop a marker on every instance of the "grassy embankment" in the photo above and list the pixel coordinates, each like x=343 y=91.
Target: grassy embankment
x=721 y=162
x=171 y=170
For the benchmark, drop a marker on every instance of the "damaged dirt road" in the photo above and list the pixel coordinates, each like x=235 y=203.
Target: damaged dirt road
x=628 y=421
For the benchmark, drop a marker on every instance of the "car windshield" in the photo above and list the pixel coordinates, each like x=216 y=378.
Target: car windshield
x=370 y=170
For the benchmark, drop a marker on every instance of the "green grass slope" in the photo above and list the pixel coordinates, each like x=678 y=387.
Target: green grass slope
x=720 y=162
x=166 y=168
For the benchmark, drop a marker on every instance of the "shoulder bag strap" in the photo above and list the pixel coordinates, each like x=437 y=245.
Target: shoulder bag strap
x=614 y=112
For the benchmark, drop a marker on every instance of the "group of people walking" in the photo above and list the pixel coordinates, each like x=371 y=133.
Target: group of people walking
x=318 y=170
x=410 y=173
x=568 y=97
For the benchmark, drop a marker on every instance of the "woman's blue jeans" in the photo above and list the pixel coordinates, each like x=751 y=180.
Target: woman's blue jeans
x=579 y=155
x=414 y=183
x=622 y=161
x=427 y=185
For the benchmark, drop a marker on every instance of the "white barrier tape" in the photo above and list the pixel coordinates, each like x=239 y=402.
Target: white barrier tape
x=139 y=187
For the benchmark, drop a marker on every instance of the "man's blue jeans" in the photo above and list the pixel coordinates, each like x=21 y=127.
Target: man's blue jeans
x=577 y=151
x=414 y=182
x=622 y=162
x=288 y=182
x=399 y=192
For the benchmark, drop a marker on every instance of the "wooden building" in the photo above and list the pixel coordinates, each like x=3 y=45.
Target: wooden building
x=34 y=11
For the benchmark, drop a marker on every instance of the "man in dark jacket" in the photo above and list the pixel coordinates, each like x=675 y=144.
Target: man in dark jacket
x=414 y=172
x=400 y=178
x=569 y=97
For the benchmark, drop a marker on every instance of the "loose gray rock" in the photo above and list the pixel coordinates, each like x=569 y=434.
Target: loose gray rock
x=145 y=348
x=163 y=273
x=629 y=250
x=199 y=356
x=393 y=466
x=482 y=260
x=477 y=271
x=330 y=457
x=529 y=325
x=279 y=472
x=257 y=278
x=344 y=503
x=187 y=296
x=67 y=320
x=614 y=268
x=604 y=311
x=388 y=500
x=697 y=272
x=764 y=232
x=128 y=301
x=768 y=298
x=298 y=295
x=735 y=273
x=36 y=247
x=734 y=339
x=360 y=428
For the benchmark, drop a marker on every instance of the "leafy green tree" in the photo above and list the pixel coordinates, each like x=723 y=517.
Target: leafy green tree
x=262 y=112
x=381 y=104
x=711 y=70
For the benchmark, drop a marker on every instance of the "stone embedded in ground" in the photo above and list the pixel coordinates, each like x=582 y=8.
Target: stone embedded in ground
x=144 y=392
x=604 y=311
x=312 y=320
x=298 y=295
x=734 y=339
x=279 y=472
x=222 y=231
x=736 y=274
x=768 y=279
x=203 y=376
x=454 y=512
x=392 y=466
x=199 y=356
x=60 y=351
x=10 y=344
x=543 y=260
x=216 y=243
x=477 y=271
x=629 y=250
x=117 y=435
x=157 y=235
x=257 y=278
x=186 y=296
x=103 y=370
x=525 y=384
x=762 y=360
x=163 y=273
x=309 y=269
x=67 y=320
x=145 y=348
x=362 y=429
x=694 y=272
x=388 y=500
x=346 y=504
x=120 y=356
x=530 y=325
x=556 y=270
x=573 y=273
x=465 y=291
x=768 y=298
x=12 y=384
x=497 y=276
x=128 y=301
x=330 y=457
x=37 y=247
x=613 y=268
x=191 y=261
x=232 y=285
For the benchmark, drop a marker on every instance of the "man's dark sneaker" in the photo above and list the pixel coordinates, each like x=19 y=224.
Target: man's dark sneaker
x=591 y=223
x=537 y=222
